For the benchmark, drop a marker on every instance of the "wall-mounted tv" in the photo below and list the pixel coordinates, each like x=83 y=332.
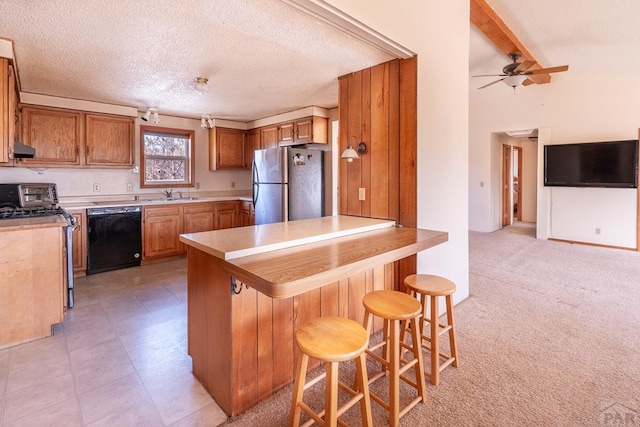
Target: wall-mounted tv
x=593 y=164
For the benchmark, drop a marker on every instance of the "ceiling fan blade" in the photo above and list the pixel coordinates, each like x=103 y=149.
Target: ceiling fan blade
x=492 y=83
x=528 y=82
x=490 y=75
x=547 y=70
x=524 y=66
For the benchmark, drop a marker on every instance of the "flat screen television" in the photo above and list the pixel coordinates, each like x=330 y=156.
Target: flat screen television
x=594 y=164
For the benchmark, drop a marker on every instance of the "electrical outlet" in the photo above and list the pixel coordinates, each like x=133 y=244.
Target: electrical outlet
x=197 y=185
x=597 y=230
x=233 y=184
x=129 y=186
x=96 y=187
x=361 y=194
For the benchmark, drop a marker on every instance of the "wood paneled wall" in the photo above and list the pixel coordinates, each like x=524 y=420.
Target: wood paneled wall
x=378 y=105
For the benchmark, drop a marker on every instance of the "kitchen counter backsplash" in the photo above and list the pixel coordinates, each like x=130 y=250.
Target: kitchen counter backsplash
x=152 y=198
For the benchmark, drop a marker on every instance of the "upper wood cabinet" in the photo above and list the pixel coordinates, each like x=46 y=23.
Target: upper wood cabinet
x=8 y=110
x=109 y=140
x=226 y=149
x=286 y=132
x=252 y=144
x=54 y=133
x=269 y=137
x=68 y=138
x=308 y=129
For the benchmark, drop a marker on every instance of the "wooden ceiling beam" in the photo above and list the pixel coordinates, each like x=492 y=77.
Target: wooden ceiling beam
x=494 y=28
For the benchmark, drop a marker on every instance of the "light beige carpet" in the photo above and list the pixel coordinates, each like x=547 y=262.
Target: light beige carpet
x=548 y=337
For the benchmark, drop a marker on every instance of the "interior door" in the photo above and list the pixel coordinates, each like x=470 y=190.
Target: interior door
x=506 y=185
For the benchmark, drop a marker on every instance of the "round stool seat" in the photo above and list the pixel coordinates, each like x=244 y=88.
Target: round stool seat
x=392 y=305
x=431 y=285
x=332 y=339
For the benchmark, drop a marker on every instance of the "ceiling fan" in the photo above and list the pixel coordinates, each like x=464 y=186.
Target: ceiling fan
x=517 y=73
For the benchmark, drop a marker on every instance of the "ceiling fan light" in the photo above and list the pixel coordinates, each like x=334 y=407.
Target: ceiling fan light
x=515 y=80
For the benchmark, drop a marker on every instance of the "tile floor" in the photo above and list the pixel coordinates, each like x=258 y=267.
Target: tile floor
x=119 y=358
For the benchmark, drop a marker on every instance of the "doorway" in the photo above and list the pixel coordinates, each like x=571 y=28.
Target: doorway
x=518 y=179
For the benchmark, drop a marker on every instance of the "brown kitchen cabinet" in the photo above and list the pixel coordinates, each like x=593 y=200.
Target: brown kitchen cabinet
x=226 y=214
x=55 y=134
x=245 y=214
x=252 y=144
x=79 y=246
x=269 y=137
x=109 y=140
x=8 y=110
x=304 y=130
x=198 y=217
x=161 y=230
x=227 y=149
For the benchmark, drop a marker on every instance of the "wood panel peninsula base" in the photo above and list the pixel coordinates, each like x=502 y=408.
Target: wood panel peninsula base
x=249 y=288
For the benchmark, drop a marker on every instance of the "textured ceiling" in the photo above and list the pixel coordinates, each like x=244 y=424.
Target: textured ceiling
x=596 y=38
x=262 y=57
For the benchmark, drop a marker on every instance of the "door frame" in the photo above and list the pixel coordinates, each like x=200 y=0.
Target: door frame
x=507 y=171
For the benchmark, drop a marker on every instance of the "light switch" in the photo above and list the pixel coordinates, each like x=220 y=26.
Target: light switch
x=361 y=194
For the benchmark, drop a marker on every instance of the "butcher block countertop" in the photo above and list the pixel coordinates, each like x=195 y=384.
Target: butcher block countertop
x=290 y=258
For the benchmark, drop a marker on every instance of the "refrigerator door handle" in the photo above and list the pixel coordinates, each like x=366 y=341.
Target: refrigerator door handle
x=256 y=186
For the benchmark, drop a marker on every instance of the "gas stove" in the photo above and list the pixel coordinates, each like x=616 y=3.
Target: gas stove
x=21 y=213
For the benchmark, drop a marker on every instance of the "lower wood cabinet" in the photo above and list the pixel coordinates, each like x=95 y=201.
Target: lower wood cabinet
x=161 y=231
x=79 y=250
x=226 y=215
x=198 y=217
x=246 y=214
x=162 y=225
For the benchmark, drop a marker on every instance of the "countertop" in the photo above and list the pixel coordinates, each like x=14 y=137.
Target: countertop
x=306 y=265
x=234 y=243
x=147 y=201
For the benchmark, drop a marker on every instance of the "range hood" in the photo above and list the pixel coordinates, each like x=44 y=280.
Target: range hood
x=21 y=151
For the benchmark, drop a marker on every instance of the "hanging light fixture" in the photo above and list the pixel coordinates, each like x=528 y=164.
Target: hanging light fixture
x=156 y=117
x=349 y=153
x=202 y=85
x=203 y=122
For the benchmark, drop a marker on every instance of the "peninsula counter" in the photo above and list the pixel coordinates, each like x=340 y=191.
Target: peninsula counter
x=250 y=287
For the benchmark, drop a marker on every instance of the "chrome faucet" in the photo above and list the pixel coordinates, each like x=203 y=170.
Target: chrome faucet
x=168 y=194
x=180 y=194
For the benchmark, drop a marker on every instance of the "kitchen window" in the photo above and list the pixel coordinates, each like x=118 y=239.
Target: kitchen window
x=166 y=157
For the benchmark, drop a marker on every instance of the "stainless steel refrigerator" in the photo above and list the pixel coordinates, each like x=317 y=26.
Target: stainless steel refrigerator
x=288 y=184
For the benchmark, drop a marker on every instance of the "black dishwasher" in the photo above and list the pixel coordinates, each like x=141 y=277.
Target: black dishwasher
x=114 y=238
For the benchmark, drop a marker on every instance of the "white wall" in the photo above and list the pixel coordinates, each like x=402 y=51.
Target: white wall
x=571 y=109
x=438 y=31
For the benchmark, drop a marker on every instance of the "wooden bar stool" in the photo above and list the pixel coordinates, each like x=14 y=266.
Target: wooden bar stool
x=332 y=340
x=430 y=287
x=395 y=307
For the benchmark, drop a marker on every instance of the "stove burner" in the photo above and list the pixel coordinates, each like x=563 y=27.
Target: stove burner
x=13 y=213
